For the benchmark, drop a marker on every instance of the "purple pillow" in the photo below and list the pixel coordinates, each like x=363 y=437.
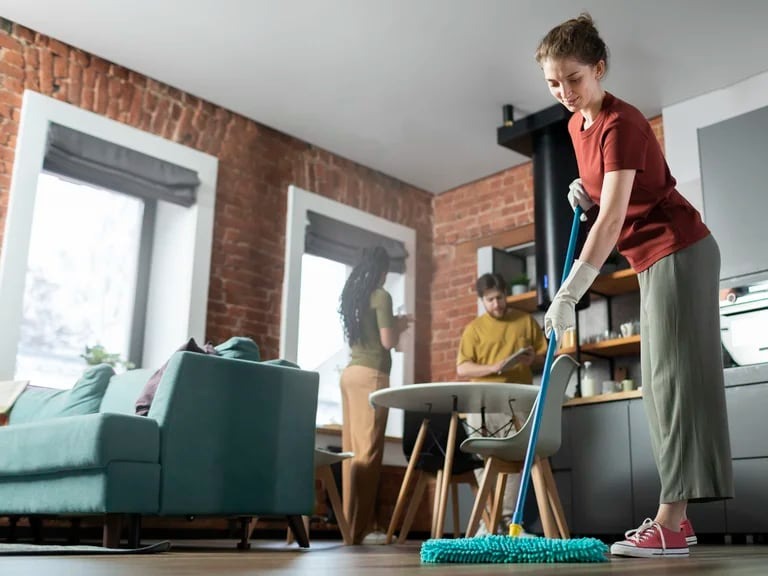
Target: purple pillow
x=148 y=393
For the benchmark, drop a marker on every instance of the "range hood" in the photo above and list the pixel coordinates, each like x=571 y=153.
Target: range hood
x=544 y=138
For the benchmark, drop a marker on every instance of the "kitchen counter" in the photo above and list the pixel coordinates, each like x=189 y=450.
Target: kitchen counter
x=750 y=374
x=599 y=398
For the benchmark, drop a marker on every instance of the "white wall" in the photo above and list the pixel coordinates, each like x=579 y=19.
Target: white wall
x=682 y=120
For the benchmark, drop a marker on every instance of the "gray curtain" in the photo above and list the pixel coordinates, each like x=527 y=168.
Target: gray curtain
x=343 y=242
x=88 y=159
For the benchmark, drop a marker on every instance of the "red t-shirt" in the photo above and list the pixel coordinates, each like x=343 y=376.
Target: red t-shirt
x=659 y=220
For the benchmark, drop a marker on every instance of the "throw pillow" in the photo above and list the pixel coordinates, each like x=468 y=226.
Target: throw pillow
x=84 y=397
x=240 y=348
x=144 y=401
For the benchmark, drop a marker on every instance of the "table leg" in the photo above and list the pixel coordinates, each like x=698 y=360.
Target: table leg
x=417 y=447
x=450 y=450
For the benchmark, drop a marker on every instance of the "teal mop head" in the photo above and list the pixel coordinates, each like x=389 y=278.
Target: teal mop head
x=507 y=550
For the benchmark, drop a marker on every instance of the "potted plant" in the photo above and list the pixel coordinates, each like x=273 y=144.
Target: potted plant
x=519 y=284
x=98 y=355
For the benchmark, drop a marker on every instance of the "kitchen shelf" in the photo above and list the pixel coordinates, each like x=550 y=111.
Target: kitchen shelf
x=629 y=346
x=619 y=282
x=527 y=301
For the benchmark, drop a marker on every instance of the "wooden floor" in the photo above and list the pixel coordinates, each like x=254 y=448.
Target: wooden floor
x=219 y=557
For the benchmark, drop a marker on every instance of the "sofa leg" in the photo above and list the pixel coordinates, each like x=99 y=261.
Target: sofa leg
x=74 y=532
x=13 y=521
x=296 y=524
x=36 y=524
x=134 y=530
x=245 y=533
x=113 y=524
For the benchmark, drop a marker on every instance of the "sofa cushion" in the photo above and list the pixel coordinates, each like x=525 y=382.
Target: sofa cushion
x=123 y=390
x=239 y=348
x=77 y=443
x=144 y=401
x=282 y=362
x=36 y=404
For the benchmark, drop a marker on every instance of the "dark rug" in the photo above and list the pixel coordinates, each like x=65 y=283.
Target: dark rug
x=45 y=550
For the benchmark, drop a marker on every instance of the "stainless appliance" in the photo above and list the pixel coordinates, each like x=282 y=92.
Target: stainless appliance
x=744 y=323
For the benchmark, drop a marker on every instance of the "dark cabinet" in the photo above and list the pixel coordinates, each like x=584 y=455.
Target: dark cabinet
x=602 y=489
x=746 y=513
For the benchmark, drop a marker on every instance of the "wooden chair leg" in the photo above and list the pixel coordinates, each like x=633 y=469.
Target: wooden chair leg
x=554 y=499
x=413 y=507
x=325 y=475
x=545 y=512
x=474 y=487
x=450 y=450
x=436 y=502
x=113 y=524
x=455 y=499
x=296 y=523
x=489 y=478
x=498 y=502
x=409 y=471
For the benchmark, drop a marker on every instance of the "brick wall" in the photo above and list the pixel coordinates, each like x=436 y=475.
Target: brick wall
x=479 y=214
x=256 y=166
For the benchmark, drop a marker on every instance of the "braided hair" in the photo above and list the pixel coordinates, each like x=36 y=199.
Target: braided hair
x=355 y=299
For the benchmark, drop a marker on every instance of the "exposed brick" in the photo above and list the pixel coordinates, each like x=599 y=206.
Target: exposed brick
x=256 y=165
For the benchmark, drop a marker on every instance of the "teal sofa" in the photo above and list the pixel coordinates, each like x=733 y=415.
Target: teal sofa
x=223 y=437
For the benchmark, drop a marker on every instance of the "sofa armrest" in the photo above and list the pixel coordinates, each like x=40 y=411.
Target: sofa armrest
x=76 y=443
x=237 y=437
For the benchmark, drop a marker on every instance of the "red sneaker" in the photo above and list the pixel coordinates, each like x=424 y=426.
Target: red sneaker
x=687 y=529
x=651 y=539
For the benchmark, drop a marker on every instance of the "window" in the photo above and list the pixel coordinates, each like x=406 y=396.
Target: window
x=302 y=296
x=80 y=281
x=179 y=238
x=322 y=347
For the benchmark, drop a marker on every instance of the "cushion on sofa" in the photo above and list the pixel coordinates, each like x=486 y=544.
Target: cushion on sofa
x=123 y=390
x=77 y=442
x=239 y=348
x=144 y=401
x=84 y=397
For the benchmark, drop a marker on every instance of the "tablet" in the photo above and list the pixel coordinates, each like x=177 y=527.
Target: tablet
x=512 y=360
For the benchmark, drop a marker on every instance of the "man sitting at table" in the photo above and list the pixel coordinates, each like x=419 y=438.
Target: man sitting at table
x=486 y=346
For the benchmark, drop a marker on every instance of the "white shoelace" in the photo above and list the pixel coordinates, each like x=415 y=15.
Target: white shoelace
x=644 y=531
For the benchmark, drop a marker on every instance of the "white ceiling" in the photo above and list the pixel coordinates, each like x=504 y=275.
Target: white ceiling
x=412 y=88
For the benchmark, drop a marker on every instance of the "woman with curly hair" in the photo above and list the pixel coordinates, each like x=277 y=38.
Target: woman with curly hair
x=371 y=330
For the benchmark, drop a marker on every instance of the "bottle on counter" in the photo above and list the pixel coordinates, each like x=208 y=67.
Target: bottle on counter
x=588 y=382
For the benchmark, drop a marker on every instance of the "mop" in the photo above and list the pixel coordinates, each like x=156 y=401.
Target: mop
x=513 y=548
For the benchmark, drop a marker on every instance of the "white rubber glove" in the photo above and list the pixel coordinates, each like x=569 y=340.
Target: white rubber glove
x=561 y=315
x=577 y=196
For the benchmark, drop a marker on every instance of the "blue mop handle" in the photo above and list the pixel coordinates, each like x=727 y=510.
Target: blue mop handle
x=517 y=518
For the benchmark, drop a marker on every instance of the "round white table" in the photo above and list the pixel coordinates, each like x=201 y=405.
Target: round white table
x=449 y=398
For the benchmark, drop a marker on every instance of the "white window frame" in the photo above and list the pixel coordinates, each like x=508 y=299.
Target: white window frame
x=179 y=276
x=299 y=203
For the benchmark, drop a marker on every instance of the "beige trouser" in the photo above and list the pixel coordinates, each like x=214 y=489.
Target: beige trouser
x=682 y=374
x=494 y=423
x=363 y=434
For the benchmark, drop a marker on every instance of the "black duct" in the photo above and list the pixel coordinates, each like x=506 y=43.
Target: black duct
x=544 y=138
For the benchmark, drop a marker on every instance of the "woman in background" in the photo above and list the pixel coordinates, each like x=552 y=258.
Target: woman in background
x=371 y=330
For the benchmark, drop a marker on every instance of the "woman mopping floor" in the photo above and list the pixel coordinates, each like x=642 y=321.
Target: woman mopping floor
x=623 y=171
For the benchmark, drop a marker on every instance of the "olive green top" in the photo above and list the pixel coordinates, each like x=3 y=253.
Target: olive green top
x=369 y=351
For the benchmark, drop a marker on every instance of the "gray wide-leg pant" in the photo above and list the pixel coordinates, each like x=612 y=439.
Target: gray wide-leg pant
x=682 y=374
